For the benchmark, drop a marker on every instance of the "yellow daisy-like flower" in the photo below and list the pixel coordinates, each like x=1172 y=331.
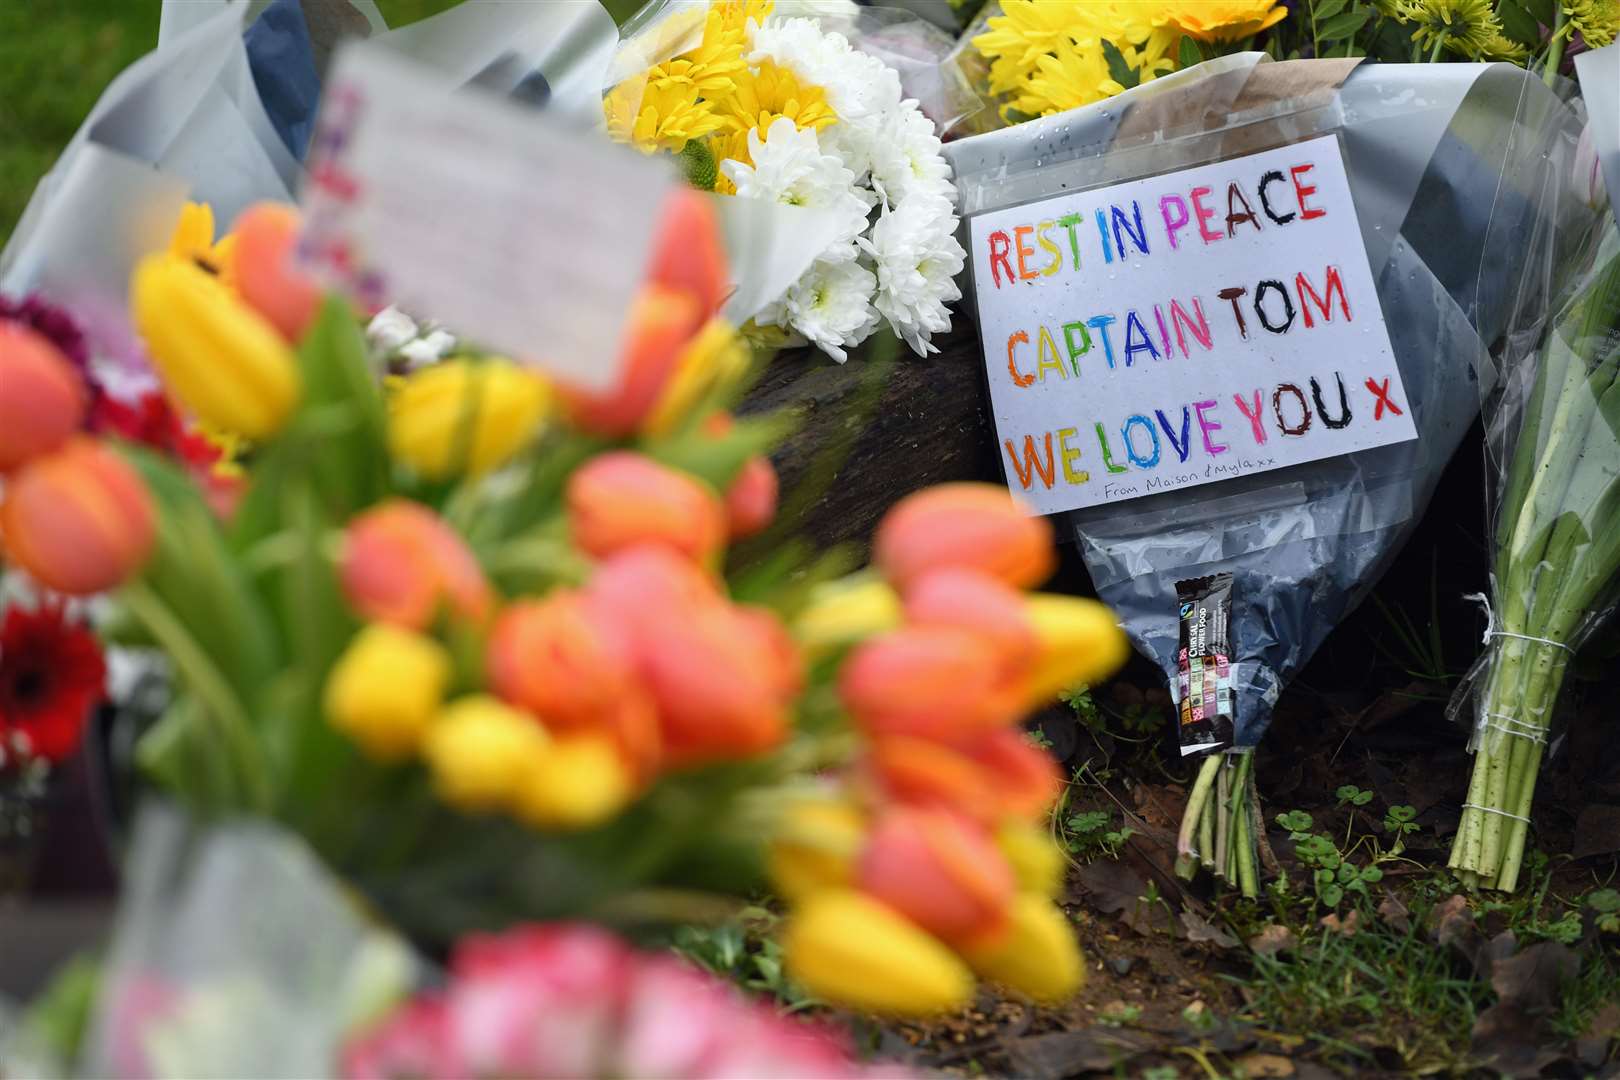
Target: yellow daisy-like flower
x=1226 y=20
x=1502 y=47
x=1597 y=21
x=658 y=114
x=730 y=17
x=1463 y=26
x=1049 y=55
x=772 y=91
x=729 y=146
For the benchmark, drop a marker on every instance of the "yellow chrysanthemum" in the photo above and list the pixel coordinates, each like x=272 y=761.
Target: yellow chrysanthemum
x=1597 y=21
x=729 y=146
x=1226 y=20
x=1502 y=47
x=1463 y=26
x=658 y=116
x=772 y=91
x=728 y=18
x=1049 y=55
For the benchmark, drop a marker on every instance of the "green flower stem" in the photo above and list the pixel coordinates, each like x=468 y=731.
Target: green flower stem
x=1555 y=48
x=1439 y=43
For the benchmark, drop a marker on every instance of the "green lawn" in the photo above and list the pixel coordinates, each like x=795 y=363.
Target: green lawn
x=57 y=55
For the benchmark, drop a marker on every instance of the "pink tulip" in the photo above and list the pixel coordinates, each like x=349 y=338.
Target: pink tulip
x=79 y=519
x=42 y=398
x=622 y=499
x=940 y=870
x=933 y=681
x=266 y=238
x=973 y=526
x=402 y=564
x=974 y=601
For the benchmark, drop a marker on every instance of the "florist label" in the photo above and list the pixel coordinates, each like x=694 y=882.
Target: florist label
x=475 y=212
x=1184 y=329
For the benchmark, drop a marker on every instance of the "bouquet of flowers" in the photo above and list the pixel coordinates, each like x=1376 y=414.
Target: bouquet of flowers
x=1556 y=549
x=772 y=107
x=465 y=630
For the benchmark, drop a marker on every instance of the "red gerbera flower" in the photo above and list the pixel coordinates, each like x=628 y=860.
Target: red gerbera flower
x=51 y=674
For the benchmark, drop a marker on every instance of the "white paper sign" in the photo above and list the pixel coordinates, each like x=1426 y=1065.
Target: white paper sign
x=1183 y=329
x=484 y=215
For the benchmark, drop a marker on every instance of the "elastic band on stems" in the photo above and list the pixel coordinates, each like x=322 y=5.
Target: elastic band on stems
x=1494 y=810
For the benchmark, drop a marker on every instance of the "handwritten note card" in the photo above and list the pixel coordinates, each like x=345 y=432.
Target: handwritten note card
x=1184 y=329
x=478 y=213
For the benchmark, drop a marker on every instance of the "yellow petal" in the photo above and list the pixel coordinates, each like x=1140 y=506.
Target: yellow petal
x=1036 y=954
x=1079 y=642
x=574 y=783
x=385 y=689
x=815 y=846
x=1036 y=862
x=848 y=949
x=480 y=751
x=843 y=612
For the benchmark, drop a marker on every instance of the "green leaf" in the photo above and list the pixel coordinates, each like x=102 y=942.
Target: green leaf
x=1342 y=27
x=1189 y=52
x=1118 y=69
x=1519 y=25
x=1544 y=12
x=1326 y=9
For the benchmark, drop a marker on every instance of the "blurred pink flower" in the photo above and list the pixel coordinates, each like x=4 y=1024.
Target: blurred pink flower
x=568 y=1000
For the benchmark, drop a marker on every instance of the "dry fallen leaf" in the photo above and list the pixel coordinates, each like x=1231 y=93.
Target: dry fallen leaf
x=1260 y=1065
x=1273 y=940
x=1347 y=926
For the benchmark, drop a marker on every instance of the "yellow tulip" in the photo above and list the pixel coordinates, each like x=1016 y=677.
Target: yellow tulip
x=815 y=846
x=465 y=416
x=843 y=613
x=1035 y=953
x=1036 y=862
x=575 y=783
x=224 y=362
x=1079 y=642
x=848 y=949
x=193 y=241
x=384 y=690
x=480 y=751
x=716 y=357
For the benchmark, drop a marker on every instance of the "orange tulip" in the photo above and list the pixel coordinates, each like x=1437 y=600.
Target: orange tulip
x=934 y=681
x=720 y=684
x=1024 y=777
x=974 y=526
x=975 y=601
x=621 y=500
x=78 y=519
x=266 y=235
x=923 y=772
x=689 y=254
x=640 y=584
x=751 y=498
x=42 y=399
x=940 y=870
x=402 y=564
x=660 y=323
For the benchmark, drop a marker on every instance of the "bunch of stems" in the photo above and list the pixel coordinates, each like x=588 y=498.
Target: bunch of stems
x=1557 y=550
x=1221 y=824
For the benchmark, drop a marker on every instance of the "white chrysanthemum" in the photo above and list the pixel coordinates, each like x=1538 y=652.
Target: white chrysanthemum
x=906 y=158
x=831 y=14
x=861 y=89
x=790 y=168
x=389 y=329
x=430 y=348
x=831 y=304
x=915 y=250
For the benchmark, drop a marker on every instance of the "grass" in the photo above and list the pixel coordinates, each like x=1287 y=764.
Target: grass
x=57 y=57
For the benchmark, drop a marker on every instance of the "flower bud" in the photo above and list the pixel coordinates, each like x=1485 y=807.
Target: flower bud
x=42 y=399
x=715 y=357
x=1023 y=777
x=849 y=949
x=266 y=235
x=844 y=612
x=219 y=357
x=661 y=322
x=689 y=254
x=751 y=498
x=577 y=782
x=814 y=846
x=923 y=772
x=465 y=416
x=976 y=602
x=385 y=689
x=402 y=564
x=79 y=519
x=973 y=526
x=570 y=662
x=722 y=685
x=1034 y=859
x=480 y=751
x=1080 y=642
x=933 y=681
x=938 y=869
x=621 y=500
x=1035 y=954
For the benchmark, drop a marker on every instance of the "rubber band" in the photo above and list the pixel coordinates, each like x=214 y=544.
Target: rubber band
x=1492 y=632
x=1494 y=810
x=1532 y=736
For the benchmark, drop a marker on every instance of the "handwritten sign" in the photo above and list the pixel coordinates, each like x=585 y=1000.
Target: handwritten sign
x=1184 y=329
x=480 y=214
